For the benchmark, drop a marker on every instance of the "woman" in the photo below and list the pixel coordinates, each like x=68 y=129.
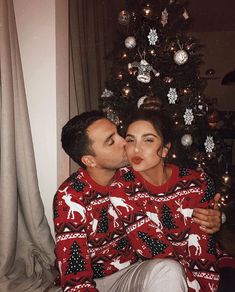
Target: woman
x=155 y=201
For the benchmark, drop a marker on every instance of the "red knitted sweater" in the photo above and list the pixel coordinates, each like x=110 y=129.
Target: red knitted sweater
x=159 y=221
x=91 y=241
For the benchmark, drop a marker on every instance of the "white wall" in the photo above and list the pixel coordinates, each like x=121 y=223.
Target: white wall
x=37 y=32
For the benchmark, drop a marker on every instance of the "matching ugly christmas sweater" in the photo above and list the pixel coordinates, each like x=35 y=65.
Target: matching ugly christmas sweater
x=159 y=223
x=91 y=241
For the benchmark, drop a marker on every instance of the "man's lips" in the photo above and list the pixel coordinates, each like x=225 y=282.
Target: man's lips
x=136 y=159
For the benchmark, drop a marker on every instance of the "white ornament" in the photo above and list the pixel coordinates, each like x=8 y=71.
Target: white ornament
x=186 y=140
x=164 y=18
x=130 y=42
x=153 y=37
x=172 y=95
x=141 y=100
x=185 y=14
x=144 y=69
x=181 y=57
x=209 y=144
x=188 y=116
x=107 y=93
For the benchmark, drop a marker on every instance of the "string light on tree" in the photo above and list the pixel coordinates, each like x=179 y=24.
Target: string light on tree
x=226 y=178
x=147 y=11
x=127 y=91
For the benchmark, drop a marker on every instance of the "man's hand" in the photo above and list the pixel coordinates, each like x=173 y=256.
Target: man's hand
x=209 y=219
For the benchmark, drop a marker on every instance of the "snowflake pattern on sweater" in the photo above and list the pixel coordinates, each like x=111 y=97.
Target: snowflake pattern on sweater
x=159 y=223
x=91 y=241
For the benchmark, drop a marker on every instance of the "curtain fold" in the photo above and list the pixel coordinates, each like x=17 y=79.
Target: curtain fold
x=26 y=244
x=90 y=42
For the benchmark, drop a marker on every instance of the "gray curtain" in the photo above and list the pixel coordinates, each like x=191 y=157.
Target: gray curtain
x=90 y=42
x=26 y=244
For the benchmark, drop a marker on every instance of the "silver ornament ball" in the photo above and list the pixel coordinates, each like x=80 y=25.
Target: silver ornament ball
x=181 y=57
x=130 y=42
x=186 y=140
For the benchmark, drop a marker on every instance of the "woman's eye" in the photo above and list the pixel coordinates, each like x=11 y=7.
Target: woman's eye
x=149 y=140
x=128 y=140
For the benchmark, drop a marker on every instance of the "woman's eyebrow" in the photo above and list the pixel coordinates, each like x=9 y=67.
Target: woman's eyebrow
x=150 y=134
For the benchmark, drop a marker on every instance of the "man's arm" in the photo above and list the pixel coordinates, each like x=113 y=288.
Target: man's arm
x=71 y=249
x=209 y=219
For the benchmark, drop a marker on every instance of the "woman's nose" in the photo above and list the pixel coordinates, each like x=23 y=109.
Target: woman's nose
x=136 y=148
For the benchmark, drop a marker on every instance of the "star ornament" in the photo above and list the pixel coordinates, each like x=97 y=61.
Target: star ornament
x=152 y=37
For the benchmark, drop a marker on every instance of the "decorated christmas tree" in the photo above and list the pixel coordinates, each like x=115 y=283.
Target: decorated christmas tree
x=167 y=217
x=103 y=223
x=76 y=261
x=156 y=65
x=156 y=246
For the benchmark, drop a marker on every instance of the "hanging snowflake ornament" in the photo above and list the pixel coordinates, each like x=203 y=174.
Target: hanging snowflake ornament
x=188 y=116
x=144 y=69
x=107 y=93
x=152 y=37
x=172 y=95
x=181 y=57
x=164 y=17
x=209 y=144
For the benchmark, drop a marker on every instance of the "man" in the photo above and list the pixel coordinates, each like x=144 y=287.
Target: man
x=92 y=249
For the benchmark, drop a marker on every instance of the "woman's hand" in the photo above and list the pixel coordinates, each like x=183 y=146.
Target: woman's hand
x=209 y=219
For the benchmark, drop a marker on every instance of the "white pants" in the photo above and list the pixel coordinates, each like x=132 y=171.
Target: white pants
x=157 y=275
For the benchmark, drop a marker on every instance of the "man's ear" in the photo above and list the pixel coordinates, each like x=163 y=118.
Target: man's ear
x=166 y=149
x=88 y=160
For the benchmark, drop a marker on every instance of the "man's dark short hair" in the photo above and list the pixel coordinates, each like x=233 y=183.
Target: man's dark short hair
x=74 y=138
